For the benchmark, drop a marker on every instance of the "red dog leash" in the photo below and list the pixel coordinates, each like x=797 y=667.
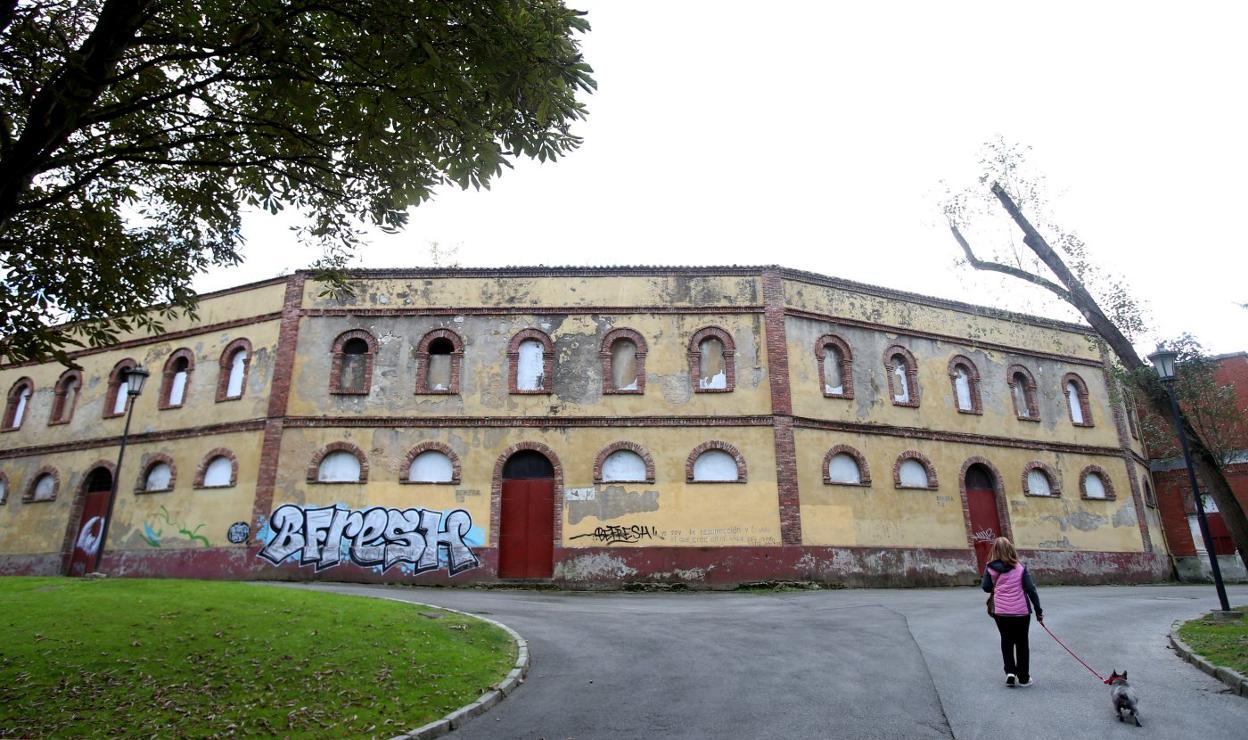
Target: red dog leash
x=1072 y=654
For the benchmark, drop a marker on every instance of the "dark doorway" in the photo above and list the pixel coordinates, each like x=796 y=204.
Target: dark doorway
x=526 y=536
x=981 y=499
x=98 y=486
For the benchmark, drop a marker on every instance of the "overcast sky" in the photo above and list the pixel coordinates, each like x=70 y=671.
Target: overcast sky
x=816 y=136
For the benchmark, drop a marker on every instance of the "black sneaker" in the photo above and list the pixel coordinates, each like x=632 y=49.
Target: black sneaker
x=1011 y=680
x=1026 y=682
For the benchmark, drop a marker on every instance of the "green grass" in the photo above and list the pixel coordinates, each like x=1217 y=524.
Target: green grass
x=1223 y=643
x=196 y=658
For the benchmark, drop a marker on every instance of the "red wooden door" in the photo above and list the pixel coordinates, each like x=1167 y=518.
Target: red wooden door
x=526 y=538
x=985 y=522
x=87 y=543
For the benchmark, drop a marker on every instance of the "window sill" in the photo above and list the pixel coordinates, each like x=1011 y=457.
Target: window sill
x=613 y=392
x=454 y=392
x=212 y=488
x=1093 y=498
x=539 y=392
x=917 y=488
x=1029 y=494
x=971 y=412
x=223 y=399
x=62 y=422
x=11 y=429
x=168 y=407
x=845 y=396
x=340 y=392
x=716 y=482
x=830 y=482
x=1036 y=419
x=38 y=500
x=454 y=482
x=647 y=481
x=907 y=404
x=144 y=491
x=713 y=390
x=315 y=482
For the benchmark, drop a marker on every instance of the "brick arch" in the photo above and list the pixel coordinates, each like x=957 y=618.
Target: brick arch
x=932 y=483
x=315 y=465
x=1085 y=405
x=148 y=462
x=60 y=413
x=223 y=374
x=496 y=490
x=1110 y=495
x=604 y=354
x=202 y=469
x=430 y=447
x=998 y=487
x=715 y=444
x=864 y=472
x=1029 y=391
x=631 y=447
x=695 y=359
x=10 y=406
x=548 y=360
x=339 y=357
x=912 y=375
x=972 y=375
x=166 y=378
x=29 y=495
x=847 y=365
x=74 y=520
x=115 y=383
x=422 y=361
x=1055 y=483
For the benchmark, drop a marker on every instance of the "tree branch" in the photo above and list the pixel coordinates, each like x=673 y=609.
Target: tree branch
x=979 y=264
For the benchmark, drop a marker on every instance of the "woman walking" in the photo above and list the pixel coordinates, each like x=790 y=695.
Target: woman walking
x=1013 y=595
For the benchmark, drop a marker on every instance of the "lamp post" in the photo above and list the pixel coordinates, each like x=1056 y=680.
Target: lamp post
x=1164 y=362
x=135 y=378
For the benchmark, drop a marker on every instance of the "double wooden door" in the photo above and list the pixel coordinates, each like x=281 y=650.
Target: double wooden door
x=526 y=537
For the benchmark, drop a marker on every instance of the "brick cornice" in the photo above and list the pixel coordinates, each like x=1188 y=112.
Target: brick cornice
x=961 y=437
x=531 y=422
x=531 y=310
x=231 y=427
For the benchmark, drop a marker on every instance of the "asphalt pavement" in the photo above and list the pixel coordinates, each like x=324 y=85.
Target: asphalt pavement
x=873 y=663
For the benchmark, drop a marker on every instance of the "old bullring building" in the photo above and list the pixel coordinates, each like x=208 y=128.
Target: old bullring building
x=584 y=426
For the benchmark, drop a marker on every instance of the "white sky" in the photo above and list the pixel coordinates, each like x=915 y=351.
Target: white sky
x=816 y=135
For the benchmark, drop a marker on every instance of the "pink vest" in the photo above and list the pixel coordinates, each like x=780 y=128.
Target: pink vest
x=1007 y=592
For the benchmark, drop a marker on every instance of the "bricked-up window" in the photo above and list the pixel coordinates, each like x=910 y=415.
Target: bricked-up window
x=1040 y=480
x=232 y=378
x=175 y=378
x=351 y=370
x=1023 y=392
x=914 y=470
x=339 y=466
x=218 y=473
x=626 y=466
x=43 y=486
x=531 y=357
x=623 y=355
x=118 y=392
x=965 y=379
x=711 y=361
x=1096 y=484
x=18 y=403
x=438 y=359
x=431 y=466
x=1150 y=498
x=715 y=462
x=65 y=397
x=844 y=468
x=158 y=477
x=1133 y=419
x=903 y=382
x=4 y=489
x=836 y=375
x=1076 y=392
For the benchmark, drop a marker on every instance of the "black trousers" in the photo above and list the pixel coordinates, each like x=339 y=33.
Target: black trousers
x=1015 y=651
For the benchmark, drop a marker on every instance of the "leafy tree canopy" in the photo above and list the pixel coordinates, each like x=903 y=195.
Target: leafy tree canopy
x=134 y=132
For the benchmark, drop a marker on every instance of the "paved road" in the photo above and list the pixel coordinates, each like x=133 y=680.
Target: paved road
x=839 y=664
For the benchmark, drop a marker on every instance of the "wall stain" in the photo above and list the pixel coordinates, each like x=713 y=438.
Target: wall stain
x=612 y=502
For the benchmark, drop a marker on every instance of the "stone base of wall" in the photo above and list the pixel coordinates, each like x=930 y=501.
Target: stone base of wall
x=609 y=568
x=1195 y=569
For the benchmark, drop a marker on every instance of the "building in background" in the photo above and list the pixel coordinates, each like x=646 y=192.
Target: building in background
x=587 y=427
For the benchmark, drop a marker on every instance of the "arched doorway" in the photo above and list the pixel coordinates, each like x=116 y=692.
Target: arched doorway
x=981 y=501
x=526 y=537
x=96 y=489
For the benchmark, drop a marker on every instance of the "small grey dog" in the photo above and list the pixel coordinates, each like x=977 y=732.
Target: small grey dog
x=1124 y=697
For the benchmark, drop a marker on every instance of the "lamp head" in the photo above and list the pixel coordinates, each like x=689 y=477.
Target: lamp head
x=135 y=380
x=1164 y=361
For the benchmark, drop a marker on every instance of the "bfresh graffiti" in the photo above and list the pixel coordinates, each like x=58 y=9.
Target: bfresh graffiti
x=612 y=534
x=378 y=537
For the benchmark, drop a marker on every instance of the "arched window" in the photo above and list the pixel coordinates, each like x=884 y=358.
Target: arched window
x=157 y=476
x=431 y=462
x=712 y=368
x=1095 y=484
x=845 y=466
x=1150 y=498
x=118 y=391
x=65 y=397
x=438 y=359
x=340 y=462
x=1023 y=392
x=232 y=379
x=914 y=470
x=352 y=369
x=218 y=470
x=43 y=486
x=4 y=489
x=836 y=374
x=1040 y=480
x=624 y=462
x=715 y=462
x=965 y=379
x=175 y=378
x=623 y=355
x=531 y=355
x=18 y=403
x=1076 y=392
x=903 y=376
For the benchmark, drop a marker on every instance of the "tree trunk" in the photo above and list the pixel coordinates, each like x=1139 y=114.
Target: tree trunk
x=1206 y=463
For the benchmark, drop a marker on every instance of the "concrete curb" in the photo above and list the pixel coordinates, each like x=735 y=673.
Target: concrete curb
x=1237 y=681
x=510 y=682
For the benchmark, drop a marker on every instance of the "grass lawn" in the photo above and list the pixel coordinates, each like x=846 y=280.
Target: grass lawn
x=1223 y=643
x=141 y=658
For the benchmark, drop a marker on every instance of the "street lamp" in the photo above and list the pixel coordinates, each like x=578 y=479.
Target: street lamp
x=135 y=377
x=1165 y=363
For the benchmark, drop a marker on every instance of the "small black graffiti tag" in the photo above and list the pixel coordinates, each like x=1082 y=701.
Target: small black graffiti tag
x=325 y=537
x=238 y=532
x=613 y=534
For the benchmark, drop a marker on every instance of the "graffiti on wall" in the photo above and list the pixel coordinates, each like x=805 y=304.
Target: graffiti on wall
x=153 y=536
x=238 y=533
x=327 y=536
x=613 y=534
